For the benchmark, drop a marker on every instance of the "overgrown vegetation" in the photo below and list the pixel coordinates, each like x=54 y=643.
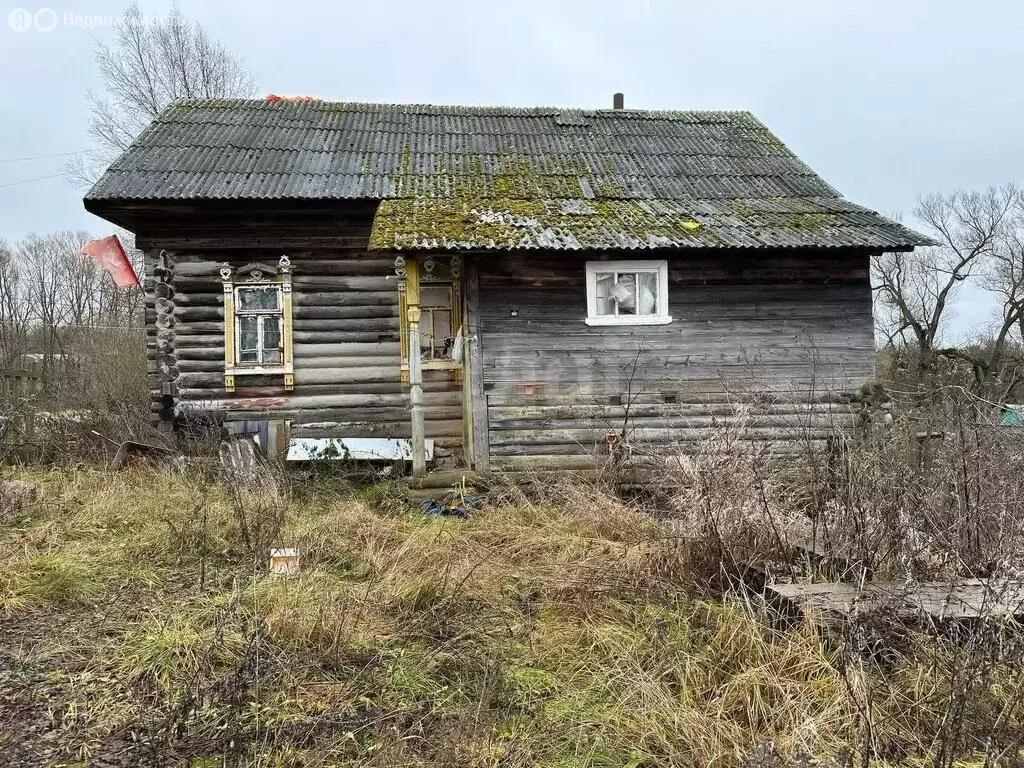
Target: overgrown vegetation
x=562 y=627
x=72 y=354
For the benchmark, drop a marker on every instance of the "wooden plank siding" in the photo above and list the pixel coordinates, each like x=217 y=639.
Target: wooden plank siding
x=345 y=320
x=776 y=343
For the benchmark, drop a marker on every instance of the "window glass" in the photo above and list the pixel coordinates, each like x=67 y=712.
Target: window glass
x=443 y=334
x=435 y=296
x=259 y=326
x=647 y=293
x=436 y=334
x=264 y=297
x=624 y=293
x=605 y=304
x=271 y=340
x=627 y=293
x=248 y=340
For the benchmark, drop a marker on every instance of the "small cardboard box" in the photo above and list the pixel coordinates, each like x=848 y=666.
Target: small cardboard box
x=284 y=562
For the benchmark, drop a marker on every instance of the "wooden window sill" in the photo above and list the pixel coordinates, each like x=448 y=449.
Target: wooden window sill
x=629 y=320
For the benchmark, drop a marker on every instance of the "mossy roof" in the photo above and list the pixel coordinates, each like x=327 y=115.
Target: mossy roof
x=502 y=178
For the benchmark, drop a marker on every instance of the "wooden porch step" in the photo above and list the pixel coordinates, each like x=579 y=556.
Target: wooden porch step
x=416 y=495
x=445 y=480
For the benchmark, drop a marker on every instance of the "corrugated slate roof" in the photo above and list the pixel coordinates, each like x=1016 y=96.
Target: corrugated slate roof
x=500 y=177
x=797 y=222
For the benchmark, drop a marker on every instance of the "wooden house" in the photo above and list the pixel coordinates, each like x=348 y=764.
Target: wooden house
x=507 y=287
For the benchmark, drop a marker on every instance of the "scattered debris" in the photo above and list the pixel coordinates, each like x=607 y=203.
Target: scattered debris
x=767 y=756
x=129 y=450
x=1012 y=415
x=15 y=495
x=284 y=562
x=453 y=505
x=831 y=562
x=241 y=461
x=354 y=449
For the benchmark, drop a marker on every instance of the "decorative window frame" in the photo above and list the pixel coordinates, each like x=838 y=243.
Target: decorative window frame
x=431 y=271
x=659 y=267
x=254 y=276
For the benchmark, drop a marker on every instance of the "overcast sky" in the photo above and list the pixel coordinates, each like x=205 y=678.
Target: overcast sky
x=886 y=99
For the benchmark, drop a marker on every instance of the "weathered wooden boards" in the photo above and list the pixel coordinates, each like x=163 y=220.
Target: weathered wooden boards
x=772 y=345
x=937 y=601
x=17 y=384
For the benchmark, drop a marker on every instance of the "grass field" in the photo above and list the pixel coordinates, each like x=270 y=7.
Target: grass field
x=139 y=627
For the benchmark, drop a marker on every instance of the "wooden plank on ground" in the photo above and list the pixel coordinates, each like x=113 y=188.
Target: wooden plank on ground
x=938 y=601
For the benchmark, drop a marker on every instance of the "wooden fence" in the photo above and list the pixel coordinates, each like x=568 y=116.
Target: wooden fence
x=18 y=386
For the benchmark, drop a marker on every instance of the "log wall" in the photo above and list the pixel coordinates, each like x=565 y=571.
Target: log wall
x=775 y=345
x=345 y=329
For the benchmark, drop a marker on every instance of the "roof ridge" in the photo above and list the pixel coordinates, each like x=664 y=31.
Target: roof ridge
x=413 y=107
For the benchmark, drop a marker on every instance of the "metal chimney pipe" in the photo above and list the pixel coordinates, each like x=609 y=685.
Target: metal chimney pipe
x=618 y=101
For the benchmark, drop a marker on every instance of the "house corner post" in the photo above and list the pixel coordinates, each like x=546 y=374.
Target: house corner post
x=412 y=300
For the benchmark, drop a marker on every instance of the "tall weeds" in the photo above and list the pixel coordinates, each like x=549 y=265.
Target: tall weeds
x=562 y=627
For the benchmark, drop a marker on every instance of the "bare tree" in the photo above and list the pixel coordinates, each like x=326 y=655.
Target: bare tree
x=1004 y=277
x=62 y=315
x=55 y=293
x=14 y=309
x=153 y=63
x=914 y=290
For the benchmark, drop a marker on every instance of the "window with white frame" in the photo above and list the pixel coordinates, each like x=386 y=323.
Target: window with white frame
x=627 y=293
x=259 y=325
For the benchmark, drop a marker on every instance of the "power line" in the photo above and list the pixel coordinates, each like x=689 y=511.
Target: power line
x=38 y=178
x=45 y=157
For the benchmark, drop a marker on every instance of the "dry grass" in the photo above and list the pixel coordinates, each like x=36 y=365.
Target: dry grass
x=42 y=579
x=564 y=632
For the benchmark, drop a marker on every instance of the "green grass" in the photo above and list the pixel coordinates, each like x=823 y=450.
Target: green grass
x=42 y=579
x=171 y=647
x=559 y=634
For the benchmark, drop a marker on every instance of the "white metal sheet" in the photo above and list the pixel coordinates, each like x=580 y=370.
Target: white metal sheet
x=353 y=449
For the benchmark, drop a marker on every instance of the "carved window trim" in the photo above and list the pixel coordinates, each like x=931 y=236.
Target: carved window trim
x=659 y=268
x=432 y=272
x=257 y=276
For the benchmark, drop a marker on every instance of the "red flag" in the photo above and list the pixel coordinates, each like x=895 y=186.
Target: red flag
x=110 y=255
x=273 y=98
